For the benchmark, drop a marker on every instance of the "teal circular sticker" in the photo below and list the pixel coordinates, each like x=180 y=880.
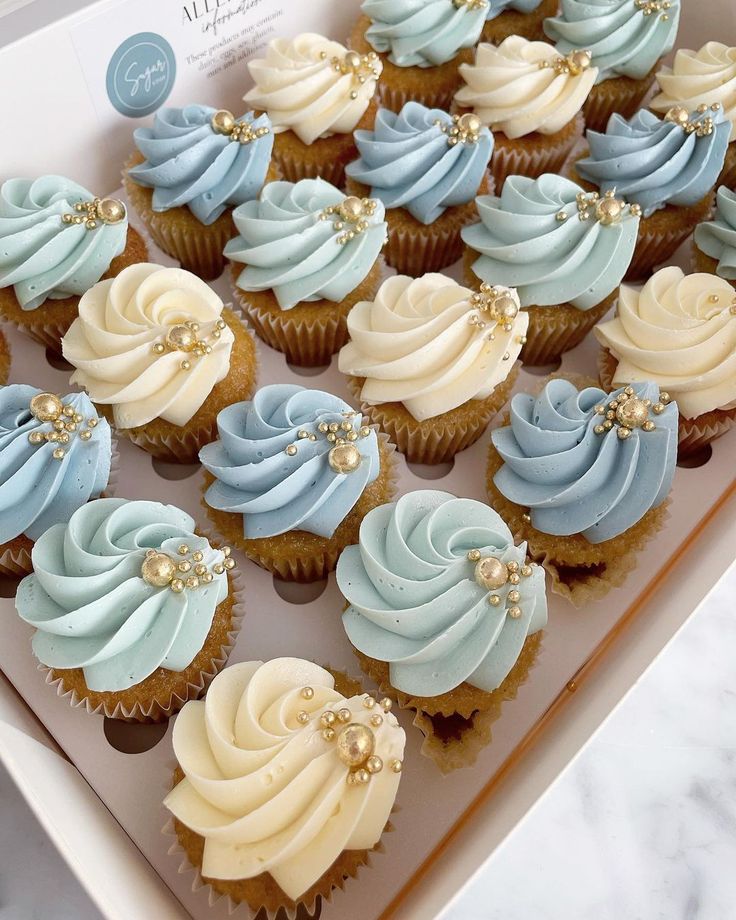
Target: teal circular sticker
x=140 y=74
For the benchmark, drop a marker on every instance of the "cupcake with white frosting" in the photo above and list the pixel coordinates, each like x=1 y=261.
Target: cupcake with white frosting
x=714 y=241
x=158 y=351
x=517 y=17
x=316 y=93
x=679 y=331
x=432 y=361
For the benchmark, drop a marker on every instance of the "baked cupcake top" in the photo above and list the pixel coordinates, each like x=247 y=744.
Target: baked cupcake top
x=290 y=459
x=203 y=158
x=54 y=457
x=705 y=76
x=283 y=773
x=432 y=344
x=496 y=7
x=109 y=594
x=585 y=461
x=625 y=37
x=56 y=238
x=680 y=332
x=552 y=241
x=313 y=86
x=306 y=241
x=437 y=588
x=423 y=33
x=521 y=86
x=717 y=237
x=422 y=159
x=150 y=343
x=657 y=162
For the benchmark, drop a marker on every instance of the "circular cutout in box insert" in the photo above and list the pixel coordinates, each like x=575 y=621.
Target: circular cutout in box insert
x=133 y=737
x=432 y=471
x=695 y=460
x=55 y=360
x=9 y=584
x=541 y=370
x=174 y=472
x=302 y=371
x=294 y=592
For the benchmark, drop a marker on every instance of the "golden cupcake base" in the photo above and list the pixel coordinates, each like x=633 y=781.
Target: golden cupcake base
x=623 y=95
x=514 y=22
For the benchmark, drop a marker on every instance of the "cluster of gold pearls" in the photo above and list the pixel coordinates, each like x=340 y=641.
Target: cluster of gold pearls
x=362 y=67
x=225 y=123
x=627 y=412
x=650 y=7
x=185 y=337
x=497 y=306
x=344 y=456
x=701 y=127
x=463 y=129
x=574 y=63
x=351 y=216
x=96 y=212
x=606 y=209
x=470 y=5
x=64 y=420
x=161 y=570
x=491 y=573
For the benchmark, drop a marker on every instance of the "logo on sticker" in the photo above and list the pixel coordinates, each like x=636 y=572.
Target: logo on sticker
x=140 y=74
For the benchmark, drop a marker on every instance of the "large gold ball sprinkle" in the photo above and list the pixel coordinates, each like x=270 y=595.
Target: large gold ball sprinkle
x=352 y=60
x=579 y=61
x=180 y=337
x=470 y=122
x=158 y=570
x=111 y=211
x=633 y=413
x=355 y=744
x=491 y=573
x=351 y=208
x=506 y=307
x=223 y=122
x=344 y=458
x=678 y=114
x=46 y=407
x=609 y=210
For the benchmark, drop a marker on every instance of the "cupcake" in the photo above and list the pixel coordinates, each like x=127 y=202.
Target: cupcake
x=309 y=253
x=316 y=93
x=286 y=780
x=707 y=76
x=189 y=171
x=445 y=614
x=714 y=242
x=432 y=362
x=565 y=252
x=5 y=359
x=55 y=455
x=517 y=17
x=158 y=351
x=291 y=477
x=667 y=166
x=531 y=97
x=132 y=609
x=680 y=332
x=583 y=476
x=626 y=39
x=426 y=167
x=56 y=241
x=421 y=45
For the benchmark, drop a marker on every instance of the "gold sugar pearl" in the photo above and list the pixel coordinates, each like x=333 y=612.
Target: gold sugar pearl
x=302 y=717
x=307 y=693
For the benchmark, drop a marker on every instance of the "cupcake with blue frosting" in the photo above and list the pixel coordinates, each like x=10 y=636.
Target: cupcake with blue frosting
x=426 y=167
x=517 y=17
x=714 y=242
x=190 y=169
x=445 y=613
x=293 y=473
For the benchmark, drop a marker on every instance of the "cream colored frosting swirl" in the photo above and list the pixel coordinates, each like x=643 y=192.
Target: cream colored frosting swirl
x=705 y=76
x=426 y=343
x=680 y=332
x=140 y=344
x=516 y=88
x=313 y=86
x=268 y=780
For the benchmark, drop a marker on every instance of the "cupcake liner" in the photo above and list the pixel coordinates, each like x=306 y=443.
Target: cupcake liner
x=728 y=173
x=513 y=22
x=662 y=232
x=4 y=359
x=535 y=154
x=438 y=439
x=618 y=94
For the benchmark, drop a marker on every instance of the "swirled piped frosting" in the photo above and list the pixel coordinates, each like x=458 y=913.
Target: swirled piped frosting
x=496 y=7
x=680 y=332
x=705 y=76
x=313 y=86
x=306 y=241
x=625 y=37
x=290 y=459
x=413 y=160
x=205 y=163
x=717 y=237
x=107 y=593
x=54 y=456
x=587 y=462
x=55 y=242
x=150 y=343
x=425 y=33
x=522 y=86
x=282 y=773
x=552 y=242
x=437 y=588
x=432 y=344
x=656 y=162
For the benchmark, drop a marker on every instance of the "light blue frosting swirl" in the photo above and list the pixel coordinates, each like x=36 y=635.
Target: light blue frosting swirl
x=408 y=163
x=36 y=490
x=523 y=244
x=187 y=163
x=275 y=492
x=622 y=39
x=415 y=603
x=717 y=237
x=40 y=255
x=573 y=480
x=496 y=7
x=422 y=33
x=289 y=246
x=656 y=162
x=93 y=610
